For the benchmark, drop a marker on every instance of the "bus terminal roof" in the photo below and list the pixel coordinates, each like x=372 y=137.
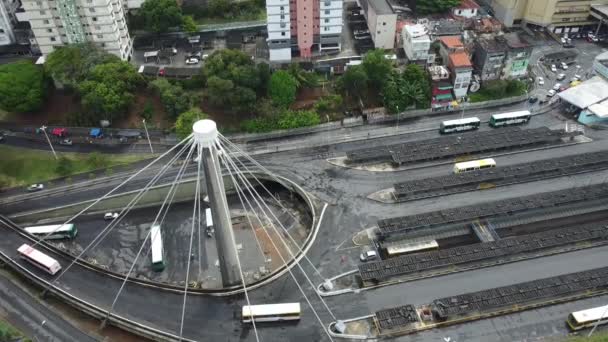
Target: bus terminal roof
x=587 y=93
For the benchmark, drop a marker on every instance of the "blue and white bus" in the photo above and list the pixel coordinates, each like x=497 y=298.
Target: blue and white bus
x=54 y=231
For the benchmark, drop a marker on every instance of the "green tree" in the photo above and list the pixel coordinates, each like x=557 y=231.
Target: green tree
x=219 y=90
x=435 y=6
x=377 y=67
x=22 y=87
x=159 y=16
x=174 y=98
x=355 y=81
x=183 y=125
x=188 y=24
x=264 y=77
x=302 y=77
x=71 y=64
x=282 y=88
x=64 y=166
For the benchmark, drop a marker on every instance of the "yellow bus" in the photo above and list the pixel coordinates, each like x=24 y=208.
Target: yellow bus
x=474 y=165
x=587 y=318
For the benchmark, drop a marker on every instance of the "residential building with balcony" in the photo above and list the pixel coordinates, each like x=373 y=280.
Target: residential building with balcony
x=461 y=70
x=301 y=27
x=449 y=44
x=466 y=9
x=8 y=21
x=489 y=58
x=416 y=43
x=57 y=23
x=557 y=16
x=518 y=55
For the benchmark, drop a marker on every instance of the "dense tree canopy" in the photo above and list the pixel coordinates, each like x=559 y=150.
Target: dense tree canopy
x=435 y=6
x=71 y=64
x=377 y=68
x=159 y=15
x=174 y=98
x=22 y=87
x=183 y=125
x=233 y=80
x=188 y=24
x=410 y=88
x=355 y=81
x=282 y=88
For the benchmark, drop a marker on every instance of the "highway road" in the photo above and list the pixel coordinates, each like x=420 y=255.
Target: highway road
x=349 y=211
x=34 y=319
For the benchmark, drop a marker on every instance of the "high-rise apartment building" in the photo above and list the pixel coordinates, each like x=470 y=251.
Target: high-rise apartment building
x=59 y=22
x=558 y=16
x=8 y=21
x=303 y=26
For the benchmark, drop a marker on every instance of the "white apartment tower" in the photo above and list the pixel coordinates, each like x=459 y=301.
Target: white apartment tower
x=60 y=22
x=7 y=21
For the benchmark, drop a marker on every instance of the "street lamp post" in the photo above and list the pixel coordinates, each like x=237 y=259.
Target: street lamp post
x=148 y=136
x=43 y=128
x=397 y=127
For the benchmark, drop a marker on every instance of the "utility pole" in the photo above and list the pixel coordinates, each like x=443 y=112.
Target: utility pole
x=397 y=127
x=148 y=136
x=43 y=128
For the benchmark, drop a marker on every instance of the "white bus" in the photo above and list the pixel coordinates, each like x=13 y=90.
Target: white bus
x=39 y=259
x=474 y=165
x=271 y=312
x=465 y=124
x=56 y=231
x=587 y=318
x=208 y=218
x=512 y=118
x=156 y=240
x=411 y=247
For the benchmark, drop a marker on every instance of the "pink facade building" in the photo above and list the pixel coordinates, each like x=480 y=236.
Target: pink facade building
x=303 y=27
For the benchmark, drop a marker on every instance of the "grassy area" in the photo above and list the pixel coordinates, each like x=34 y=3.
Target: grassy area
x=499 y=89
x=23 y=166
x=10 y=333
x=260 y=15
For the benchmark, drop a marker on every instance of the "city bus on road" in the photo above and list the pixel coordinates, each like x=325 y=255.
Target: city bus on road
x=587 y=318
x=271 y=312
x=411 y=247
x=466 y=124
x=54 y=231
x=158 y=252
x=39 y=259
x=474 y=165
x=512 y=118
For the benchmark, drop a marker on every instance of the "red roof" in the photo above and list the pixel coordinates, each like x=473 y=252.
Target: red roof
x=468 y=4
x=437 y=91
x=451 y=41
x=460 y=59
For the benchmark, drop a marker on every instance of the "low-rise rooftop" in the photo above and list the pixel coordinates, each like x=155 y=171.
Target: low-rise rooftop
x=460 y=59
x=451 y=42
x=490 y=45
x=468 y=4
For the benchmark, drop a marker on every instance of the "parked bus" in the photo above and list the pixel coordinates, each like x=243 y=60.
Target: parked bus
x=466 y=124
x=587 y=318
x=271 y=312
x=54 y=231
x=39 y=259
x=411 y=247
x=158 y=257
x=474 y=165
x=512 y=118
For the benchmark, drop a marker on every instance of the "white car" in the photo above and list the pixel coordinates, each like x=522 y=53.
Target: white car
x=541 y=81
x=578 y=77
x=564 y=66
x=191 y=61
x=557 y=86
x=561 y=77
x=205 y=56
x=367 y=256
x=551 y=93
x=35 y=187
x=110 y=216
x=553 y=68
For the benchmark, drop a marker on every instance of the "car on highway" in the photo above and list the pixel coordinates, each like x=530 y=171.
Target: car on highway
x=110 y=216
x=557 y=86
x=564 y=66
x=541 y=81
x=368 y=255
x=192 y=61
x=560 y=77
x=66 y=142
x=361 y=32
x=551 y=93
x=553 y=68
x=35 y=187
